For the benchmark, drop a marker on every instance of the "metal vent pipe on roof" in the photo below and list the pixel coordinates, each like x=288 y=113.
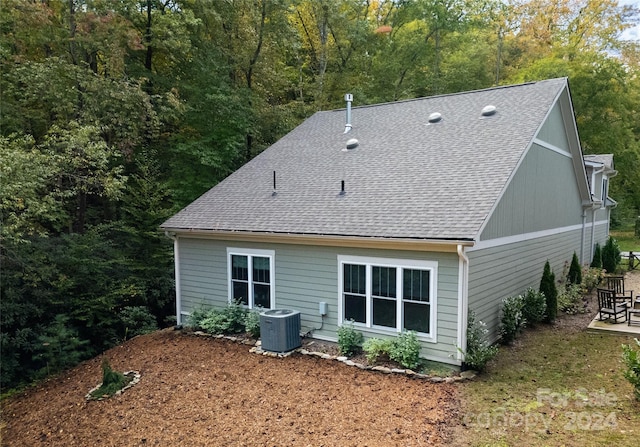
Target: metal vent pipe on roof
x=348 y=97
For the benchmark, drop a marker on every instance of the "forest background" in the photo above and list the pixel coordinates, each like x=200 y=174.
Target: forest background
x=116 y=114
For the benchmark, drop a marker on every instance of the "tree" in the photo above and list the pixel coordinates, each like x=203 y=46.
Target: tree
x=597 y=257
x=575 y=271
x=548 y=288
x=611 y=256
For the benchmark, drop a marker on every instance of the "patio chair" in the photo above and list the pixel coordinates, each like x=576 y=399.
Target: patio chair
x=610 y=305
x=616 y=283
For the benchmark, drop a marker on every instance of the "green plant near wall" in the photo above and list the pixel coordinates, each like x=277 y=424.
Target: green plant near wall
x=575 y=270
x=548 y=288
x=511 y=321
x=597 y=257
x=479 y=350
x=405 y=350
x=349 y=340
x=611 y=256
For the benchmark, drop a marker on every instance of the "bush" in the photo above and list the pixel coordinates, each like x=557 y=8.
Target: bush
x=597 y=257
x=591 y=277
x=252 y=323
x=137 y=320
x=548 y=288
x=479 y=351
x=511 y=320
x=112 y=381
x=375 y=348
x=405 y=350
x=570 y=299
x=631 y=359
x=349 y=340
x=228 y=320
x=196 y=317
x=534 y=307
x=575 y=271
x=611 y=256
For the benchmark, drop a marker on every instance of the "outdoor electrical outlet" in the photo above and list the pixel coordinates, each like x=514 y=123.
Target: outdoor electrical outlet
x=323 y=308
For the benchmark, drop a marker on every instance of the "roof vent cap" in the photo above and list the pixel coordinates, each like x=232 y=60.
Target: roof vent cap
x=435 y=117
x=489 y=110
x=352 y=143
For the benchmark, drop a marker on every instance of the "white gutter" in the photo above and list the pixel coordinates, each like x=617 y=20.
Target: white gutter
x=176 y=262
x=463 y=302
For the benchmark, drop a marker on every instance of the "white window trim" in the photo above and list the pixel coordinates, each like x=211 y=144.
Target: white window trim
x=250 y=252
x=400 y=264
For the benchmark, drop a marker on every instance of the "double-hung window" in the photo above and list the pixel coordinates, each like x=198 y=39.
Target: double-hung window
x=251 y=277
x=388 y=294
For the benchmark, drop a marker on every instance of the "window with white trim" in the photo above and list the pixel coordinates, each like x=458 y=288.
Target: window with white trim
x=388 y=294
x=251 y=277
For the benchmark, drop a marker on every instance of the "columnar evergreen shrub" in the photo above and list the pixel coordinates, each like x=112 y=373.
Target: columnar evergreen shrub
x=479 y=351
x=575 y=271
x=349 y=340
x=597 y=257
x=511 y=321
x=548 y=288
x=534 y=307
x=611 y=256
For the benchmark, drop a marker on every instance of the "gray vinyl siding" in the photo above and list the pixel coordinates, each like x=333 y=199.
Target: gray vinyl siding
x=553 y=131
x=543 y=194
x=506 y=270
x=306 y=276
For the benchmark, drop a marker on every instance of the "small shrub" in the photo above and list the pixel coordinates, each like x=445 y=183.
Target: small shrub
x=112 y=381
x=611 y=256
x=511 y=320
x=252 y=323
x=349 y=340
x=405 y=350
x=137 y=320
x=375 y=348
x=570 y=299
x=597 y=257
x=228 y=320
x=548 y=288
x=575 y=271
x=631 y=359
x=196 y=317
x=534 y=307
x=591 y=277
x=479 y=351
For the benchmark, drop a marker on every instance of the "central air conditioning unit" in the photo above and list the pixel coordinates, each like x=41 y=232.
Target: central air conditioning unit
x=280 y=330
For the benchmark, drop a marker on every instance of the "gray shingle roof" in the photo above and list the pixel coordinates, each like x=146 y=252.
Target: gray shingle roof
x=406 y=179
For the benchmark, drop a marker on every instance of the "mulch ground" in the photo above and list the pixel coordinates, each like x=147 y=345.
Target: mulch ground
x=205 y=392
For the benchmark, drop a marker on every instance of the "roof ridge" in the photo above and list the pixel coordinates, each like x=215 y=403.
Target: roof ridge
x=444 y=95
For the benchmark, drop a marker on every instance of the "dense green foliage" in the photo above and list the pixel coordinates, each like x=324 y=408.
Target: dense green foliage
x=511 y=319
x=349 y=340
x=117 y=114
x=597 y=257
x=404 y=349
x=631 y=359
x=550 y=292
x=112 y=381
x=479 y=350
x=611 y=256
x=534 y=307
x=575 y=271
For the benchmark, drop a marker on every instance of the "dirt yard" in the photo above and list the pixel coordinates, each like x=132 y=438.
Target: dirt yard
x=204 y=392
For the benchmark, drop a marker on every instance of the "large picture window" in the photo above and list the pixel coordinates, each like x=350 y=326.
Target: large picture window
x=251 y=277
x=388 y=294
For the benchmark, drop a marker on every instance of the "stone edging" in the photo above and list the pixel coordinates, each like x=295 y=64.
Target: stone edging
x=257 y=349
x=135 y=380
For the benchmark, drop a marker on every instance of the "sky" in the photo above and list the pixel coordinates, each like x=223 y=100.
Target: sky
x=631 y=33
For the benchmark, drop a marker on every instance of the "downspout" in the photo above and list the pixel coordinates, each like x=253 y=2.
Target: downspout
x=582 y=234
x=176 y=262
x=463 y=302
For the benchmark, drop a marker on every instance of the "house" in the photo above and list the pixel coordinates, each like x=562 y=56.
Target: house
x=400 y=216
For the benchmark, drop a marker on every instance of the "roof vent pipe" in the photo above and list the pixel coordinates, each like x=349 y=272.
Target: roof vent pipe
x=348 y=97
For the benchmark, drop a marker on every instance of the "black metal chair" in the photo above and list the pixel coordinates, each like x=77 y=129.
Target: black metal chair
x=616 y=283
x=611 y=306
